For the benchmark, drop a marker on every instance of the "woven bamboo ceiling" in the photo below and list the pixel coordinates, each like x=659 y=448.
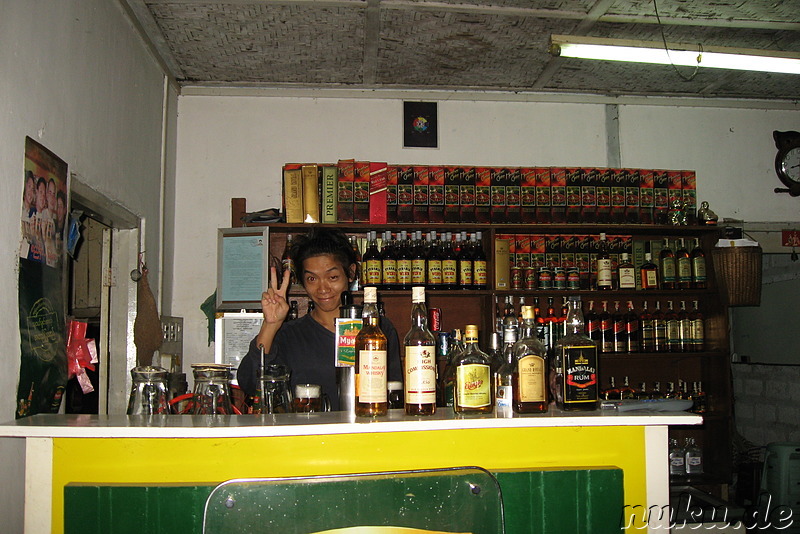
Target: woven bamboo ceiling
x=462 y=44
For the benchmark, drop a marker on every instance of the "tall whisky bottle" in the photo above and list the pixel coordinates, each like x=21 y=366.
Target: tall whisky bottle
x=389 y=261
x=372 y=262
x=575 y=365
x=434 y=262
x=529 y=379
x=473 y=386
x=667 y=266
x=647 y=329
x=420 y=360
x=698 y=266
x=479 y=268
x=604 y=276
x=404 y=258
x=449 y=264
x=419 y=261
x=371 y=367
x=683 y=263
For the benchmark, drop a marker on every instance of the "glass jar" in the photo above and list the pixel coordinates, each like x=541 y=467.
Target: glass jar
x=149 y=391
x=211 y=394
x=273 y=394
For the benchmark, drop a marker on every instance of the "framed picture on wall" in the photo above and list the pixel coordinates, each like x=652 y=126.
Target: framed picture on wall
x=420 y=125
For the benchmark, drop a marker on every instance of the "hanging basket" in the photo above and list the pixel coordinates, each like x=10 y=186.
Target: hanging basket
x=738 y=272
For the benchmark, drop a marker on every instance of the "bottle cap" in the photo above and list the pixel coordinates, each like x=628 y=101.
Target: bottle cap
x=471 y=332
x=527 y=312
x=418 y=294
x=371 y=295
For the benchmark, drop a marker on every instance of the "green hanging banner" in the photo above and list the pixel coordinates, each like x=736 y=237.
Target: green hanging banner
x=42 y=326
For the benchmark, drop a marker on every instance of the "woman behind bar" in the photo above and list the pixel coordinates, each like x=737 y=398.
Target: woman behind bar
x=326 y=264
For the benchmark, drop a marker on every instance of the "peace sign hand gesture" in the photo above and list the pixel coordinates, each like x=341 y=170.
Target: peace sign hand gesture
x=273 y=300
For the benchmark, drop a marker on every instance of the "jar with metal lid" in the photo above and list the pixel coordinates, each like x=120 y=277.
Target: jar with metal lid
x=148 y=391
x=211 y=389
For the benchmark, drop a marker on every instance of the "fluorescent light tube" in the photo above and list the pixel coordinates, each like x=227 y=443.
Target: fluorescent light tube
x=678 y=54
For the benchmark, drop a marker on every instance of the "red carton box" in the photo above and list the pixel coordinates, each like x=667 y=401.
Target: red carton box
x=514 y=196
x=603 y=192
x=344 y=190
x=527 y=195
x=391 y=194
x=660 y=196
x=498 y=189
x=377 y=192
x=466 y=195
x=646 y=198
x=483 y=195
x=537 y=251
x=632 y=195
x=674 y=188
x=558 y=195
x=569 y=247
x=591 y=177
x=421 y=194
x=552 y=251
x=522 y=251
x=689 y=189
x=436 y=194
x=405 y=194
x=543 y=200
x=618 y=181
x=361 y=192
x=452 y=183
x=583 y=259
x=573 y=190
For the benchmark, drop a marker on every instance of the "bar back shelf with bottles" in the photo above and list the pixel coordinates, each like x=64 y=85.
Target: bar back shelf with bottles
x=708 y=365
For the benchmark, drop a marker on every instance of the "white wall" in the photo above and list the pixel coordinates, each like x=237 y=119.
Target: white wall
x=78 y=79
x=234 y=146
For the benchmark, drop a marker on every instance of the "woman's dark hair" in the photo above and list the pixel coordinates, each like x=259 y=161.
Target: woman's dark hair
x=320 y=241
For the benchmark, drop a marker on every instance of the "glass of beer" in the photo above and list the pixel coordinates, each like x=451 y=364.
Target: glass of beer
x=307 y=398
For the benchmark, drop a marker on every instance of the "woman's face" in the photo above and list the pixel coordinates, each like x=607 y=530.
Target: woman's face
x=325 y=279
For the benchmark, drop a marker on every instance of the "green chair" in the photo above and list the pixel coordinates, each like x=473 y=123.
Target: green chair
x=461 y=499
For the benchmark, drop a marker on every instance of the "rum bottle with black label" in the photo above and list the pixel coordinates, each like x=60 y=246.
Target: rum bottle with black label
x=575 y=365
x=420 y=360
x=371 y=366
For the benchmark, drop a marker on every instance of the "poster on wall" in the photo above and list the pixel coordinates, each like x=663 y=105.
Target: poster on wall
x=43 y=364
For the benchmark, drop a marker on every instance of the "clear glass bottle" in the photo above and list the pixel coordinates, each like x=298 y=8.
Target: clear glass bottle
x=575 y=365
x=530 y=372
x=371 y=364
x=677 y=459
x=694 y=457
x=420 y=360
x=473 y=380
x=504 y=379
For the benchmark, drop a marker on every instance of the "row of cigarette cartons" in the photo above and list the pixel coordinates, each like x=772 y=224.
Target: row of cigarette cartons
x=376 y=192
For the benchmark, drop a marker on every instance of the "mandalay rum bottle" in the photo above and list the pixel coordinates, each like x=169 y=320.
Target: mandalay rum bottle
x=574 y=377
x=420 y=360
x=371 y=366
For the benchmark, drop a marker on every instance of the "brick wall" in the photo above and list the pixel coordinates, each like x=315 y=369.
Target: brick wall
x=767 y=402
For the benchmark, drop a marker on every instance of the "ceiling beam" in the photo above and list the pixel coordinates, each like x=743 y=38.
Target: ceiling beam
x=143 y=20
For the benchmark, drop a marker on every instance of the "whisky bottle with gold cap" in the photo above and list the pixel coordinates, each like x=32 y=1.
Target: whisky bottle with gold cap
x=530 y=368
x=473 y=377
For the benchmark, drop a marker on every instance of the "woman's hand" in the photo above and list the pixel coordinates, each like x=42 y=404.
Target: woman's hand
x=273 y=300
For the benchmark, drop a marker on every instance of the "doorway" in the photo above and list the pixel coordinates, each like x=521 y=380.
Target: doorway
x=102 y=294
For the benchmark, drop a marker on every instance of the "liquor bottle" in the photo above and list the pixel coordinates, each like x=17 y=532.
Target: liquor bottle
x=504 y=378
x=648 y=273
x=541 y=326
x=626 y=272
x=612 y=391
x=656 y=393
x=420 y=360
x=294 y=311
x=686 y=327
x=509 y=314
x=310 y=307
x=632 y=329
x=660 y=329
x=495 y=352
x=698 y=258
x=434 y=262
x=575 y=365
x=464 y=258
x=287 y=262
x=355 y=285
x=372 y=262
x=604 y=278
x=592 y=323
x=550 y=325
x=620 y=335
x=677 y=459
x=479 y=268
x=667 y=266
x=647 y=329
x=683 y=265
x=449 y=264
x=673 y=329
x=395 y=394
x=700 y=399
x=606 y=329
x=371 y=367
x=473 y=386
x=530 y=374
x=670 y=393
x=642 y=392
x=404 y=258
x=626 y=392
x=389 y=261
x=694 y=457
x=697 y=331
x=448 y=381
x=419 y=262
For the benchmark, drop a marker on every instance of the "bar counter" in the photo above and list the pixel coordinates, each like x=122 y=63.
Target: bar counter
x=66 y=450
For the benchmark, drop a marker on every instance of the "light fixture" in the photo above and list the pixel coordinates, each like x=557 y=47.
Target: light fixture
x=675 y=54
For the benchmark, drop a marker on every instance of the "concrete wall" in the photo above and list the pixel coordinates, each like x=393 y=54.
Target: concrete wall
x=77 y=78
x=234 y=146
x=766 y=399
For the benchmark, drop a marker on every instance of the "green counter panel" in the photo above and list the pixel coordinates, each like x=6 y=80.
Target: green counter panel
x=549 y=501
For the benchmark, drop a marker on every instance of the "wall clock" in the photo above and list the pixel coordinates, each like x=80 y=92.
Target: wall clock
x=787 y=161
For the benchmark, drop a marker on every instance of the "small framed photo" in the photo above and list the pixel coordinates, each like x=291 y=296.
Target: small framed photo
x=420 y=125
